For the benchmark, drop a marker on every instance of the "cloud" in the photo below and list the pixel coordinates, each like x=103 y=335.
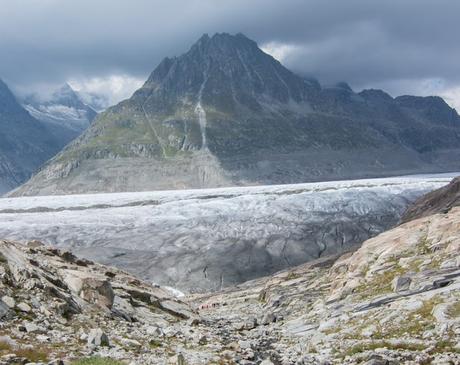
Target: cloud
x=363 y=42
x=111 y=88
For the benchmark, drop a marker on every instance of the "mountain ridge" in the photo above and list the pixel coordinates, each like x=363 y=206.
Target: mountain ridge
x=226 y=113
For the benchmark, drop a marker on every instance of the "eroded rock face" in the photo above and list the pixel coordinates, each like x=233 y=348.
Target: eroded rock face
x=90 y=288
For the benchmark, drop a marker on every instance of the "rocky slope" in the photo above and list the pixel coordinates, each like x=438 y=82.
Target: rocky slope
x=64 y=112
x=394 y=301
x=54 y=305
x=201 y=240
x=438 y=201
x=25 y=143
x=225 y=113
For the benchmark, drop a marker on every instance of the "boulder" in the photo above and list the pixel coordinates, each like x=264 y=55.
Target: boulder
x=97 y=337
x=266 y=362
x=10 y=302
x=90 y=288
x=24 y=307
x=177 y=309
x=268 y=318
x=4 y=309
x=401 y=283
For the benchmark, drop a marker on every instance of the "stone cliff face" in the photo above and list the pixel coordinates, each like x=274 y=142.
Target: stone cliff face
x=226 y=113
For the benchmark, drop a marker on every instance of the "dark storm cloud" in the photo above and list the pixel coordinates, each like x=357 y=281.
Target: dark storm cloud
x=364 y=42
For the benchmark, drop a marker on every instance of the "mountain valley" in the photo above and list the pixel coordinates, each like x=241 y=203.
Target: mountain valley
x=392 y=301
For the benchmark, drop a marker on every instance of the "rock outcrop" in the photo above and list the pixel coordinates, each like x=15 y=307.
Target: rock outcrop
x=438 y=201
x=51 y=302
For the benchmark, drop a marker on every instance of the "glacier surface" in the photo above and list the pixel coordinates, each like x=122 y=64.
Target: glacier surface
x=199 y=240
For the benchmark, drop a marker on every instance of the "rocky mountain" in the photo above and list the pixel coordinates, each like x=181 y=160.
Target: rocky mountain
x=64 y=112
x=395 y=300
x=204 y=240
x=225 y=113
x=25 y=143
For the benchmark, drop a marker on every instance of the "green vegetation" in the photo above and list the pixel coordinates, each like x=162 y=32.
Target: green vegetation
x=155 y=344
x=444 y=346
x=380 y=283
x=424 y=245
x=96 y=360
x=31 y=354
x=454 y=310
x=382 y=344
x=414 y=324
x=4 y=346
x=292 y=275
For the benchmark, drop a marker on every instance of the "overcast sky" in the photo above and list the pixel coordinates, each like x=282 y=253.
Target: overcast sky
x=111 y=46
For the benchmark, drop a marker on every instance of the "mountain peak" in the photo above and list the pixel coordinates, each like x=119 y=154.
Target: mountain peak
x=226 y=71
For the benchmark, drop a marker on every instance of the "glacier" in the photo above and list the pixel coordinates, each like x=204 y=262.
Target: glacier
x=201 y=240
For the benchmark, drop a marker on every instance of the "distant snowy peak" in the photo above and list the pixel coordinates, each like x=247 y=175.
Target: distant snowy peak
x=64 y=107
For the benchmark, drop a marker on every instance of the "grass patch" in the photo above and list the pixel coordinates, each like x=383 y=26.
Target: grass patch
x=155 y=344
x=292 y=275
x=414 y=324
x=357 y=349
x=454 y=310
x=424 y=245
x=380 y=283
x=5 y=346
x=96 y=360
x=31 y=354
x=444 y=346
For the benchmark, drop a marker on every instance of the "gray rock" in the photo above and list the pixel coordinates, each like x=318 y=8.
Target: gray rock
x=4 y=309
x=401 y=283
x=266 y=362
x=268 y=318
x=97 y=337
x=10 y=302
x=24 y=307
x=33 y=328
x=155 y=331
x=244 y=345
x=177 y=308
